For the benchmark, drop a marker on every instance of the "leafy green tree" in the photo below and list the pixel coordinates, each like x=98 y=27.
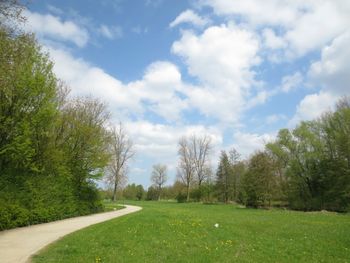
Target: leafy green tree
x=140 y=192
x=152 y=193
x=334 y=131
x=133 y=192
x=224 y=178
x=312 y=161
x=28 y=112
x=85 y=143
x=28 y=90
x=258 y=181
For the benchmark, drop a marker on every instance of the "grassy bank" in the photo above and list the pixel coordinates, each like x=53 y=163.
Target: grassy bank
x=171 y=232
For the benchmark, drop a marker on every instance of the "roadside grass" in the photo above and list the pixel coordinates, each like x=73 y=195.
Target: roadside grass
x=171 y=232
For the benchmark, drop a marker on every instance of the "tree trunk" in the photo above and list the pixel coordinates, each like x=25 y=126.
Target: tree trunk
x=188 y=193
x=115 y=192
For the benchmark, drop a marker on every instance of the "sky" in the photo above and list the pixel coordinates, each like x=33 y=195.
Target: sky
x=237 y=71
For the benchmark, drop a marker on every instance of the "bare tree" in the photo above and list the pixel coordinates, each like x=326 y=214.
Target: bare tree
x=186 y=167
x=112 y=177
x=121 y=152
x=159 y=177
x=201 y=148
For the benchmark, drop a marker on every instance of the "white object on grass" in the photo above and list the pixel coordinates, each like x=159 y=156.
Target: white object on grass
x=216 y=225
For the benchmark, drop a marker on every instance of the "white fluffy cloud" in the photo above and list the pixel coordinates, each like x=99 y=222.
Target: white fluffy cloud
x=85 y=79
x=303 y=26
x=290 y=29
x=52 y=27
x=322 y=22
x=312 y=106
x=256 y=12
x=159 y=88
x=332 y=71
x=271 y=40
x=157 y=91
x=191 y=17
x=221 y=58
x=247 y=143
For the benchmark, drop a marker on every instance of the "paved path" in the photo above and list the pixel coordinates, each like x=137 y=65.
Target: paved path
x=17 y=245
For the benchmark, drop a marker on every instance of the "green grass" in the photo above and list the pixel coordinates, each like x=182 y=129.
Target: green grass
x=110 y=206
x=171 y=232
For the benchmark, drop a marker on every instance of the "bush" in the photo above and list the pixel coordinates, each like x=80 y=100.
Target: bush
x=181 y=197
x=13 y=216
x=152 y=194
x=196 y=194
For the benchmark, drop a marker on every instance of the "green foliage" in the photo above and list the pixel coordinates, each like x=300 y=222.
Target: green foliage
x=258 y=181
x=51 y=148
x=140 y=192
x=133 y=192
x=224 y=178
x=196 y=194
x=181 y=197
x=152 y=193
x=228 y=176
x=13 y=216
x=313 y=161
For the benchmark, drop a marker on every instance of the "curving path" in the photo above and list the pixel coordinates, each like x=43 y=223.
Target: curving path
x=17 y=245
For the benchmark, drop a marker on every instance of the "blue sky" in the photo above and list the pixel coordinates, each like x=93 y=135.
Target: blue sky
x=237 y=71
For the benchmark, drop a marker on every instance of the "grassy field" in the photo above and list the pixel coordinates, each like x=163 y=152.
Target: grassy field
x=171 y=232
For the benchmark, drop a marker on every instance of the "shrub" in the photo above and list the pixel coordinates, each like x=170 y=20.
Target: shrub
x=181 y=197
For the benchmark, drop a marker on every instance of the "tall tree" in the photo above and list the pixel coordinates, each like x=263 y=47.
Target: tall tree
x=224 y=178
x=237 y=171
x=85 y=141
x=201 y=148
x=258 y=181
x=122 y=151
x=159 y=177
x=27 y=108
x=208 y=186
x=186 y=166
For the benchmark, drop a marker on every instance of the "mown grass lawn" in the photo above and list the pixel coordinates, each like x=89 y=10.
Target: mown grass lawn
x=171 y=232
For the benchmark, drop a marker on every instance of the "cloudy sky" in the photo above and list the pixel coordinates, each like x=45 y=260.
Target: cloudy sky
x=235 y=70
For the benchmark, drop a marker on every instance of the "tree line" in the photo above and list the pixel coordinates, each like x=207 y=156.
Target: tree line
x=305 y=168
